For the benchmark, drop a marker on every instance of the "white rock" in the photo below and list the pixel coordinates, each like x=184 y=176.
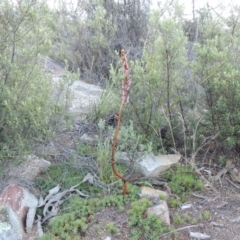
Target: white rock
x=49 y=150
x=186 y=206
x=148 y=164
x=151 y=192
x=161 y=210
x=10 y=235
x=87 y=138
x=129 y=160
x=30 y=168
x=198 y=235
x=107 y=238
x=20 y=204
x=6 y=230
x=235 y=220
x=4 y=226
x=84 y=95
x=152 y=166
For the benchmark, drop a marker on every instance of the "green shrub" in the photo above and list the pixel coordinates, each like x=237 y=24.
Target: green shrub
x=73 y=219
x=128 y=141
x=146 y=227
x=216 y=71
x=27 y=110
x=183 y=180
x=177 y=219
x=66 y=176
x=157 y=82
x=111 y=228
x=207 y=215
x=107 y=107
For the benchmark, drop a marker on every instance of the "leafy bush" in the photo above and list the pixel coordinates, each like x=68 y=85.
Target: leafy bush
x=27 y=109
x=89 y=33
x=128 y=141
x=216 y=71
x=66 y=176
x=157 y=91
x=148 y=227
x=183 y=180
x=111 y=228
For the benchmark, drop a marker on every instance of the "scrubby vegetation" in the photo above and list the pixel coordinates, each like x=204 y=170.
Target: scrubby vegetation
x=182 y=180
x=184 y=73
x=149 y=227
x=184 y=95
x=27 y=110
x=78 y=213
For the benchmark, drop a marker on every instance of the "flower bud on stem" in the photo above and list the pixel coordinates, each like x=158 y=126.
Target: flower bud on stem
x=126 y=84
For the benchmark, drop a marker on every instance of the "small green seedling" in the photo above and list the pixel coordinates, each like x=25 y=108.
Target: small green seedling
x=207 y=215
x=111 y=228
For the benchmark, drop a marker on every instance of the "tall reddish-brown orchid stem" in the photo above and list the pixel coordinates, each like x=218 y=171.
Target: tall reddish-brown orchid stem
x=125 y=89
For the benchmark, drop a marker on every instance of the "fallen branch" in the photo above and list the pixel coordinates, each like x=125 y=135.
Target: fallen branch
x=199 y=196
x=179 y=229
x=224 y=171
x=55 y=198
x=235 y=185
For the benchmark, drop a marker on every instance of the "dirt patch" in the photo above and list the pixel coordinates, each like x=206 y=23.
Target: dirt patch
x=98 y=228
x=224 y=218
x=216 y=214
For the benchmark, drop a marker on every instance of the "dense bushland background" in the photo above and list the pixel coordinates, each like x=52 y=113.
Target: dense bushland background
x=185 y=72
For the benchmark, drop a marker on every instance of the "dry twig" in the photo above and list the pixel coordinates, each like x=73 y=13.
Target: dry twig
x=179 y=229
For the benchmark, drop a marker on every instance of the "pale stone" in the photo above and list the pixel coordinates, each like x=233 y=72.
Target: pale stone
x=84 y=95
x=49 y=150
x=107 y=238
x=152 y=166
x=186 y=206
x=151 y=192
x=198 y=235
x=30 y=168
x=129 y=160
x=52 y=66
x=79 y=95
x=20 y=205
x=87 y=138
x=10 y=235
x=4 y=226
x=148 y=164
x=161 y=210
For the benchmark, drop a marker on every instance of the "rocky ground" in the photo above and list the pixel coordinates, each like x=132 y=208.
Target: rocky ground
x=220 y=198
x=218 y=205
x=214 y=212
